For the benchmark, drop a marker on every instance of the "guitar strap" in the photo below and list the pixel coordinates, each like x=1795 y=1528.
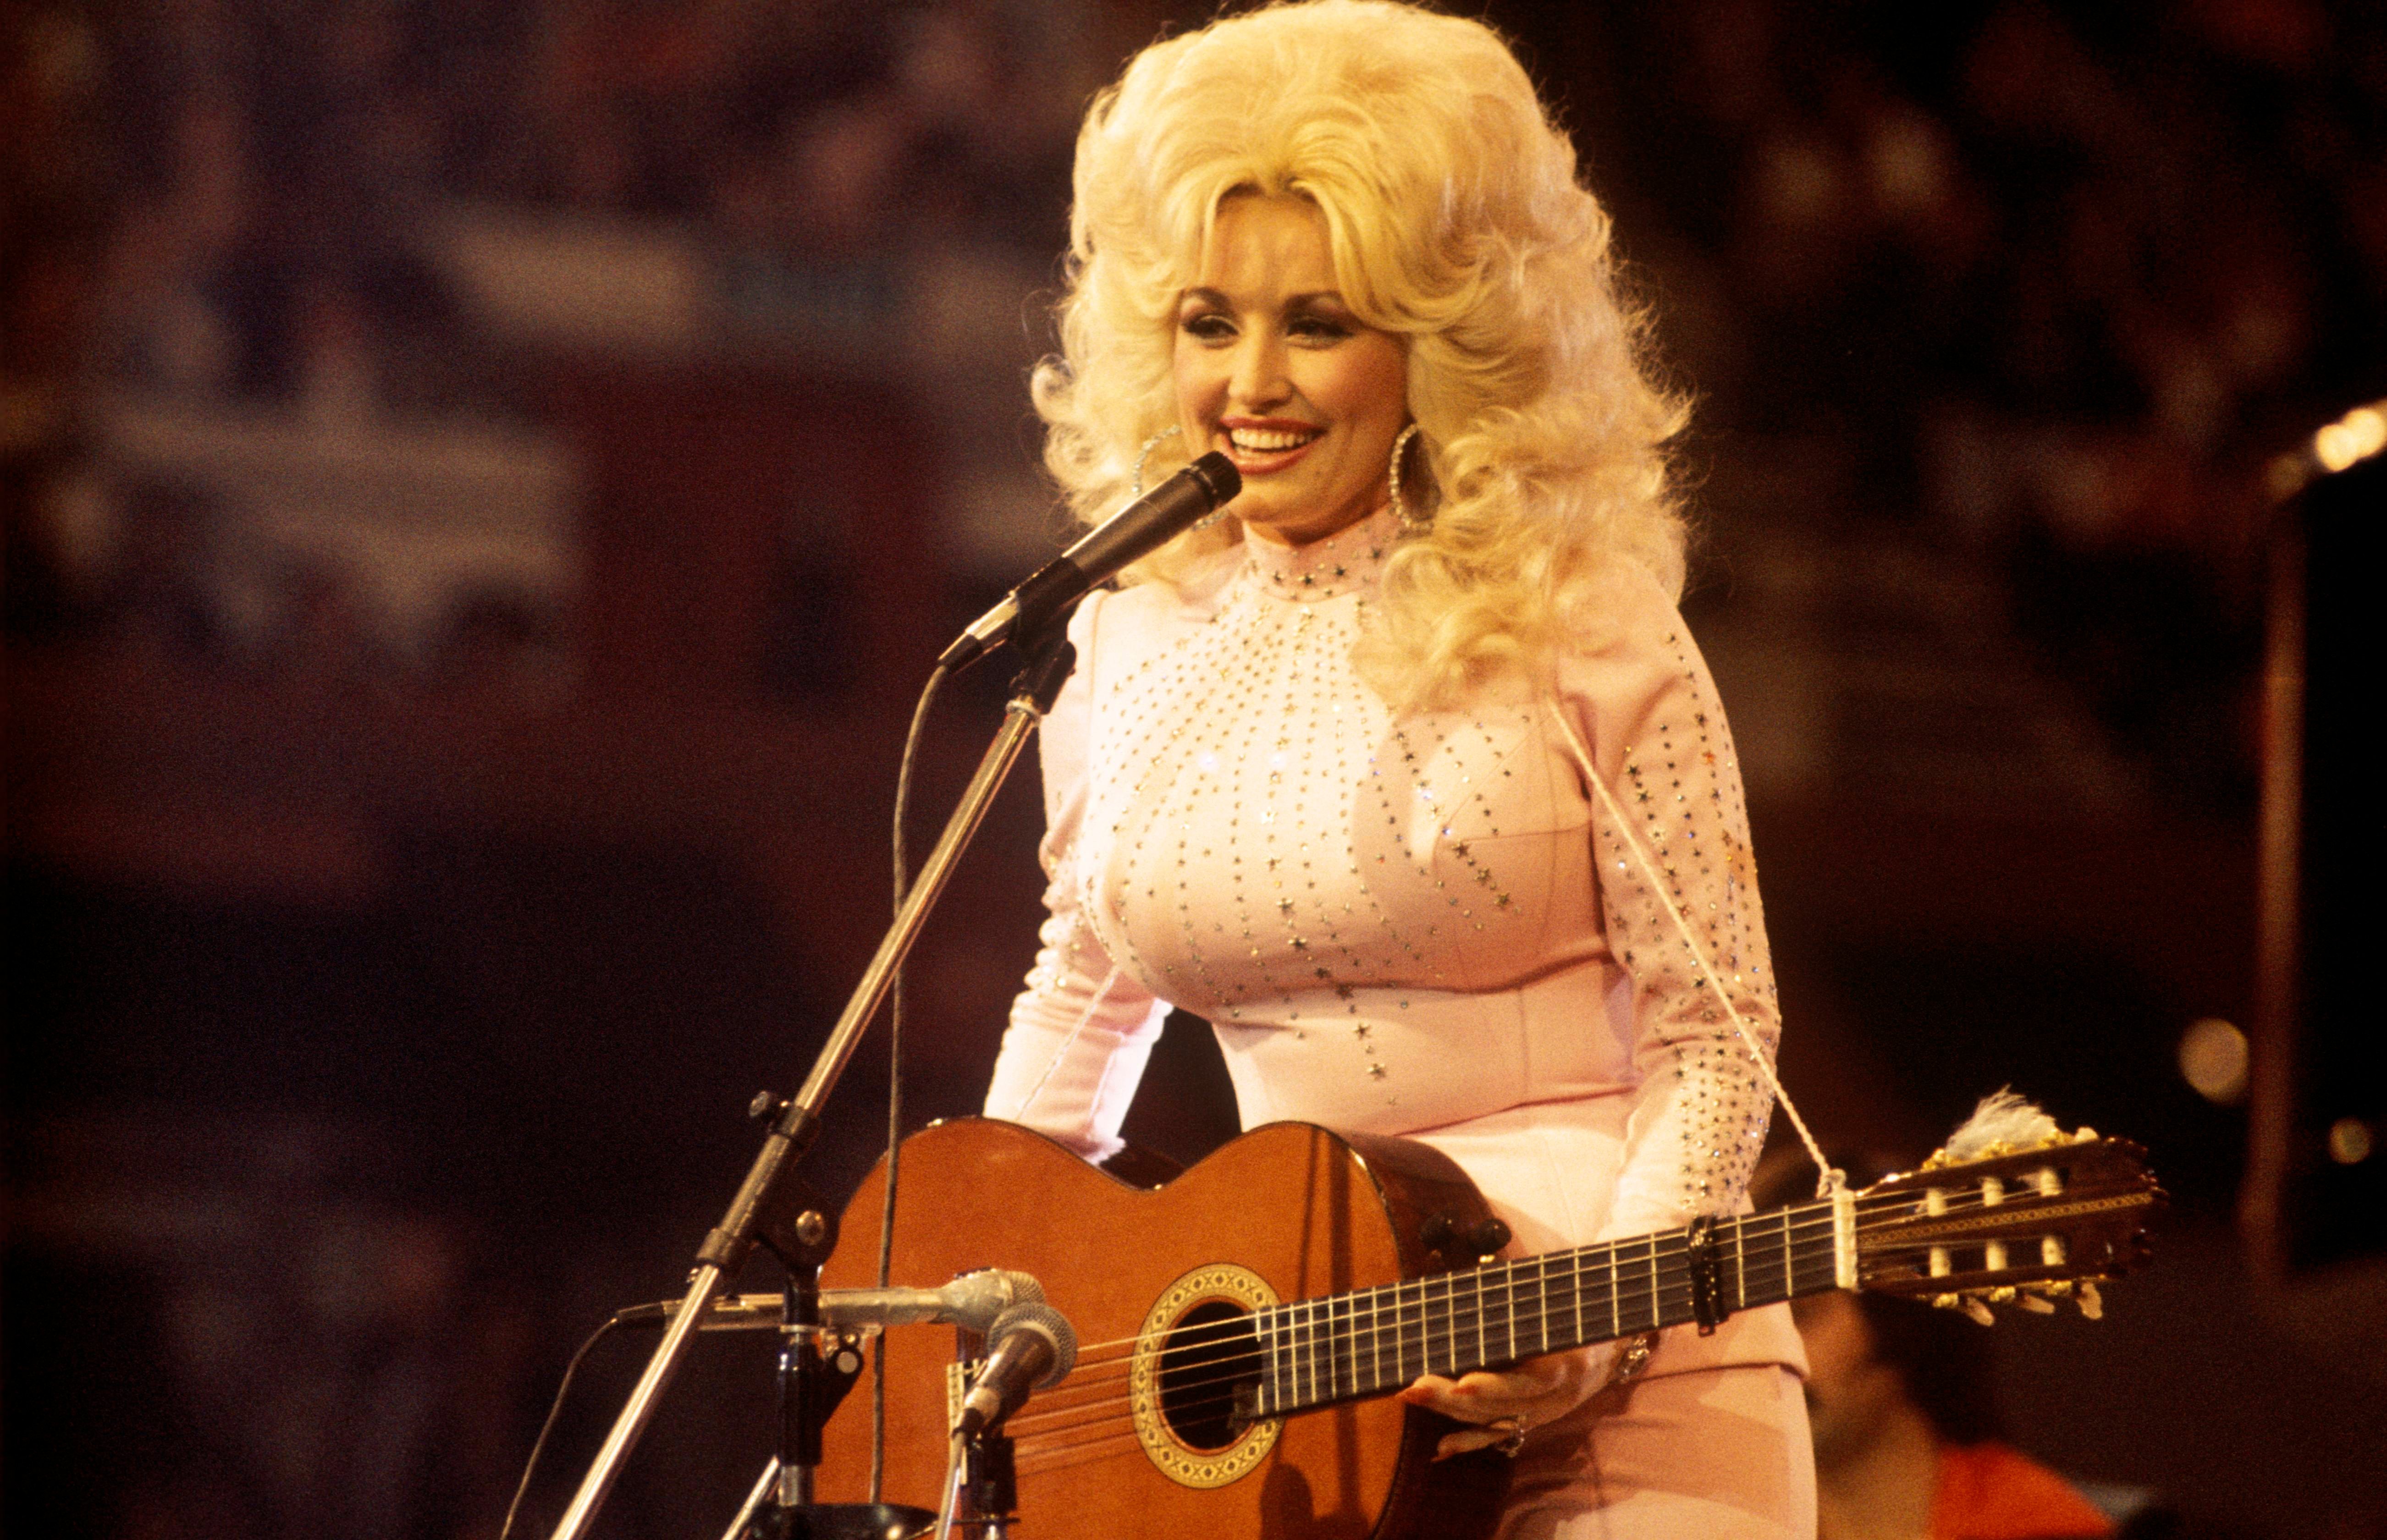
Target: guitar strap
x=1830 y=1180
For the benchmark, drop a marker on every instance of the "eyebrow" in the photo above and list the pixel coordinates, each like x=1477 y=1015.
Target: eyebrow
x=1212 y=297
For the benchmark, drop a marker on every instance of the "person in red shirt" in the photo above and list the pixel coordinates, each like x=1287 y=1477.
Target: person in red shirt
x=1901 y=1423
x=1904 y=1420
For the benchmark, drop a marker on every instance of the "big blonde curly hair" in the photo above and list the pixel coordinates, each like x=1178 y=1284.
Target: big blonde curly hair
x=1455 y=221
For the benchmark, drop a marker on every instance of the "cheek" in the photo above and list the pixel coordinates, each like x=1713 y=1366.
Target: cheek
x=1370 y=383
x=1198 y=382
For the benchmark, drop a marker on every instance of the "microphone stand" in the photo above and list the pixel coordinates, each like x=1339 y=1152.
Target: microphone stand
x=989 y=1488
x=768 y=1206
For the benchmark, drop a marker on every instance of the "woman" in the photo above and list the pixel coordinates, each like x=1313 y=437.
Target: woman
x=1405 y=773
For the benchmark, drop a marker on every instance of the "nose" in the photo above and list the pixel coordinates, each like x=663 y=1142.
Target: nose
x=1259 y=380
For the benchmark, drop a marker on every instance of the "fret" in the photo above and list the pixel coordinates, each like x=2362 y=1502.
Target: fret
x=1819 y=1267
x=1271 y=1395
x=1446 y=1356
x=1291 y=1331
x=1304 y=1382
x=1436 y=1313
x=1330 y=1343
x=1541 y=1316
x=1321 y=1348
x=1356 y=1332
x=1375 y=1375
x=1451 y=1350
x=1289 y=1350
x=1324 y=1323
x=1454 y=1326
x=1557 y=1295
x=1354 y=1359
x=1365 y=1342
x=1336 y=1319
x=1414 y=1318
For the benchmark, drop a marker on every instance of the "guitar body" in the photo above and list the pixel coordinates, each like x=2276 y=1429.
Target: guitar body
x=1136 y=1444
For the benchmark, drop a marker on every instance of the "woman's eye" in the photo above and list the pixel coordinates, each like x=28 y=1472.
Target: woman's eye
x=1317 y=329
x=1208 y=327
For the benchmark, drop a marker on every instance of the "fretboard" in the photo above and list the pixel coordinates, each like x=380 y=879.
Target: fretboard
x=1348 y=1346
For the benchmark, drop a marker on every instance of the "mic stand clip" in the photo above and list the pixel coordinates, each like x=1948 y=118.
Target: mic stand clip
x=989 y=1487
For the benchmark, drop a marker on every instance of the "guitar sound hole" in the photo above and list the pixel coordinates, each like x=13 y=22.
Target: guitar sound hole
x=1210 y=1351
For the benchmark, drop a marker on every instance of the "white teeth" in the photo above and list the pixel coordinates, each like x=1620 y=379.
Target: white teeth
x=1267 y=440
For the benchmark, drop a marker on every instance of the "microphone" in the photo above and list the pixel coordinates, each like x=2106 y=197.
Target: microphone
x=976 y=1300
x=1034 y=1348
x=1137 y=530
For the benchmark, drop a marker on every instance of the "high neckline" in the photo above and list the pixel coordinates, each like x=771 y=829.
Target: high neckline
x=1349 y=561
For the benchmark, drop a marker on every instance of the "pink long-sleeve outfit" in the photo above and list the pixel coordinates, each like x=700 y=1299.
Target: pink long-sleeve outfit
x=1423 y=925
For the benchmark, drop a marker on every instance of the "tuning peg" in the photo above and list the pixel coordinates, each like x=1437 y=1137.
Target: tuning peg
x=2091 y=1304
x=1968 y=1304
x=2036 y=1304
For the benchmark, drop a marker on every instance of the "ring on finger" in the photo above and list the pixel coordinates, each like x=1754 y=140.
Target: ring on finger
x=1516 y=1439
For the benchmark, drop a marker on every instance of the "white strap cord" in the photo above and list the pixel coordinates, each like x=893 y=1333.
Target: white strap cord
x=1830 y=1180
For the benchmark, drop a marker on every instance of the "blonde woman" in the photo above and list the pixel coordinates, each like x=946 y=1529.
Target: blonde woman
x=1406 y=773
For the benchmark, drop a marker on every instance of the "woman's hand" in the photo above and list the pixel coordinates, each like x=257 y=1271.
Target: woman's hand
x=1504 y=1405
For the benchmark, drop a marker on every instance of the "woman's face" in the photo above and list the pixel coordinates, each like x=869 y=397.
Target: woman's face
x=1272 y=369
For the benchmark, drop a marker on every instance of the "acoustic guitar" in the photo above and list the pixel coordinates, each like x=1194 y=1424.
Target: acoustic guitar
x=1242 y=1327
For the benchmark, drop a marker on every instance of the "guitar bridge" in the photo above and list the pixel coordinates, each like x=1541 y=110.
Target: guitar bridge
x=958 y=1376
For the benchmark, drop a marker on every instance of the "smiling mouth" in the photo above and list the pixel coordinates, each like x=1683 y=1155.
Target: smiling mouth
x=1266 y=441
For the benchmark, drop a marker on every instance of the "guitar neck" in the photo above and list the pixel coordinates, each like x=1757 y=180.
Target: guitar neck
x=1348 y=1346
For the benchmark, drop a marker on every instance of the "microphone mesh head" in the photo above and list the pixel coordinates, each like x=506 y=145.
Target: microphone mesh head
x=1041 y=1318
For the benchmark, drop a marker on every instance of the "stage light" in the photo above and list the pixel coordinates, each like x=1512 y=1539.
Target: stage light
x=2356 y=437
x=2347 y=442
x=2213 y=1059
x=2349 y=1142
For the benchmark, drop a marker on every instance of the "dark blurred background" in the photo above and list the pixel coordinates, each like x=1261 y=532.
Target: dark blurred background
x=485 y=480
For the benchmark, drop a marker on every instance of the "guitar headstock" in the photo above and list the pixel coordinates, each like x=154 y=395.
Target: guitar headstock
x=2022 y=1220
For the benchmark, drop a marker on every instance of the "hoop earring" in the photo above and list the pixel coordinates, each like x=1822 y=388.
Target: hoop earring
x=1411 y=524
x=1146 y=453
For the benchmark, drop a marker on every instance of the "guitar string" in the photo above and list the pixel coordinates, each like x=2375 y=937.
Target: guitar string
x=1338 y=1369
x=1110 y=1419
x=1114 y=1415
x=1466 y=1316
x=1369 y=1309
x=1340 y=1333
x=1808 y=1220
x=1344 y=1330
x=1589 y=1259
x=1381 y=1300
